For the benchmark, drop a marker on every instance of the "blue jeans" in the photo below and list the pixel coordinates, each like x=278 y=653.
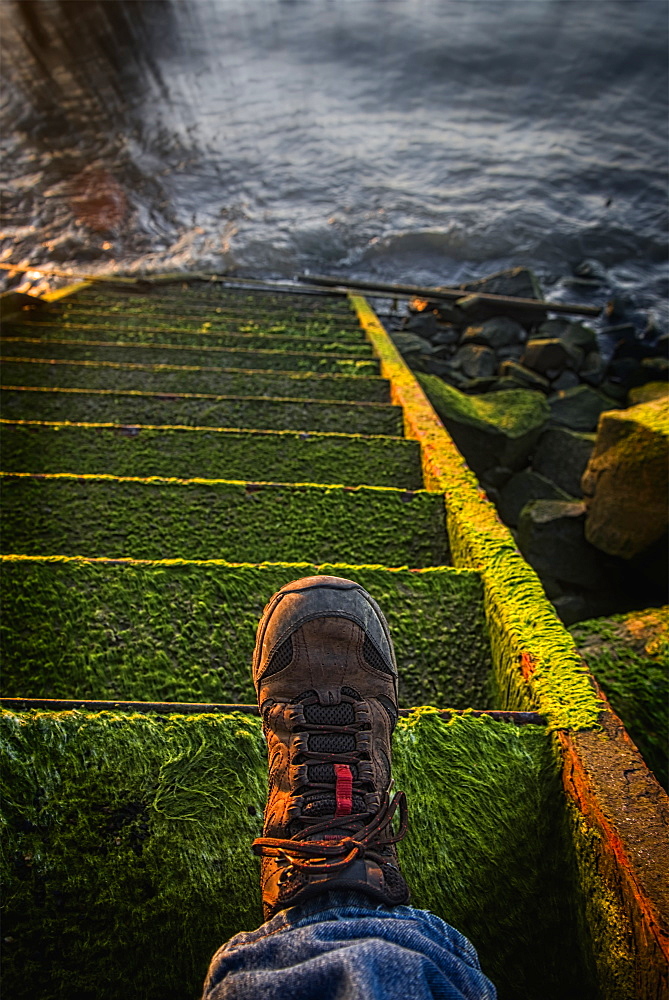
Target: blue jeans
x=344 y=946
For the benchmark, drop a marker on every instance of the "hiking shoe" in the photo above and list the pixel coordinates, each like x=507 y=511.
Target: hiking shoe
x=325 y=674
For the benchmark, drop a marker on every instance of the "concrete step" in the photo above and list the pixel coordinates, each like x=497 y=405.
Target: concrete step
x=277 y=456
x=208 y=338
x=120 y=824
x=166 y=631
x=180 y=354
x=236 y=521
x=173 y=378
x=250 y=412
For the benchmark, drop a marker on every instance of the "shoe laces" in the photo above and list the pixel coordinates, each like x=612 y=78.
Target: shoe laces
x=329 y=845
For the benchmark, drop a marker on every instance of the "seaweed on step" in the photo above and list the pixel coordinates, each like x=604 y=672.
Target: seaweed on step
x=284 y=456
x=116 y=825
x=131 y=408
x=241 y=522
x=180 y=378
x=185 y=632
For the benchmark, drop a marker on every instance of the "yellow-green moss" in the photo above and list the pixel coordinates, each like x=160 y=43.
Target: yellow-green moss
x=126 y=849
x=535 y=661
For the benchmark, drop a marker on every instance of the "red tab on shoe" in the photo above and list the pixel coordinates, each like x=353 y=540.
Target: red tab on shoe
x=343 y=789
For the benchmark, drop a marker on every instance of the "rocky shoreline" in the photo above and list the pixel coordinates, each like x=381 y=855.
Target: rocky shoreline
x=569 y=444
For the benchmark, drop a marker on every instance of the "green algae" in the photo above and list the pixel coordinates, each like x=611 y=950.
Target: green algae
x=176 y=379
x=240 y=522
x=116 y=825
x=277 y=359
x=202 y=338
x=629 y=656
x=74 y=629
x=204 y=411
x=514 y=411
x=280 y=457
x=535 y=661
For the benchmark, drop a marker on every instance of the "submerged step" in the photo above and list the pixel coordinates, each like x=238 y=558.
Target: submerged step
x=239 y=522
x=185 y=631
x=202 y=379
x=207 y=338
x=279 y=456
x=118 y=824
x=250 y=412
x=274 y=358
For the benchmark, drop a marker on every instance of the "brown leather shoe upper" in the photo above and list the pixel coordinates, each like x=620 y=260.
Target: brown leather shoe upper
x=326 y=678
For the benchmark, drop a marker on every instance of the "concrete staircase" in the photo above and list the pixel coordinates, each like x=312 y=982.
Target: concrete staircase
x=172 y=454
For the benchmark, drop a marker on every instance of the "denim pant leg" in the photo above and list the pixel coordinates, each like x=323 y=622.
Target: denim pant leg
x=344 y=946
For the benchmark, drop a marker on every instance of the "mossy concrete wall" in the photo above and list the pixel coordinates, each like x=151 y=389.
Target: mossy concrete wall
x=620 y=827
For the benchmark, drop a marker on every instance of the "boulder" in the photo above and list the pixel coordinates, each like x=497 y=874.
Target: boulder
x=475 y=361
x=448 y=312
x=551 y=536
x=523 y=487
x=573 y=334
x=423 y=324
x=593 y=368
x=409 y=344
x=517 y=281
x=562 y=455
x=654 y=370
x=565 y=380
x=550 y=354
x=446 y=335
x=497 y=428
x=500 y=331
x=512 y=352
x=625 y=483
x=645 y=393
x=525 y=376
x=579 y=408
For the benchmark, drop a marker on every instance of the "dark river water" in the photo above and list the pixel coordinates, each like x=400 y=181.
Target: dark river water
x=402 y=140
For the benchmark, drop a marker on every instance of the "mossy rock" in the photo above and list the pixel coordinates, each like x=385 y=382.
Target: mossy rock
x=117 y=825
x=131 y=408
x=283 y=456
x=497 y=428
x=172 y=379
x=239 y=522
x=629 y=656
x=185 y=632
x=646 y=393
x=626 y=476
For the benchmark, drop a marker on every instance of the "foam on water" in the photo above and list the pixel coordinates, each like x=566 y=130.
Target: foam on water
x=406 y=140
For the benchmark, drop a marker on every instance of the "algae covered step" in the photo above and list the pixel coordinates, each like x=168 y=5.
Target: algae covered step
x=273 y=358
x=185 y=632
x=176 y=320
x=252 y=412
x=209 y=379
x=239 y=522
x=94 y=863
x=45 y=332
x=280 y=456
